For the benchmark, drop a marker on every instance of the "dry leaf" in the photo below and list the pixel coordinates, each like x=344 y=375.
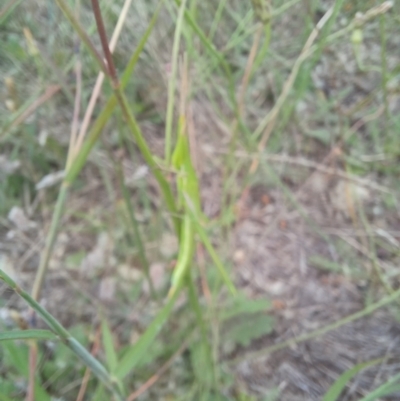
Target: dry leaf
x=95 y=260
x=17 y=217
x=50 y=179
x=107 y=289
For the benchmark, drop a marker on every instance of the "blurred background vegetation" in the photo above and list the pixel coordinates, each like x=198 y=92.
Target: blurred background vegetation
x=293 y=119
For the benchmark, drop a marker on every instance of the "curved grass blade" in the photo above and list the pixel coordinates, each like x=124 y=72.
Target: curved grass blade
x=336 y=389
x=172 y=84
x=390 y=387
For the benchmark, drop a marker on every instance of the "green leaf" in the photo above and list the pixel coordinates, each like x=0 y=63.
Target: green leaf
x=322 y=135
x=325 y=264
x=244 y=331
x=16 y=356
x=241 y=305
x=336 y=389
x=109 y=349
x=135 y=354
x=6 y=387
x=27 y=335
x=203 y=372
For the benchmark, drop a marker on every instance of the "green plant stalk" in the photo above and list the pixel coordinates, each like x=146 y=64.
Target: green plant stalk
x=148 y=157
x=108 y=109
x=319 y=332
x=172 y=85
x=50 y=240
x=265 y=47
x=216 y=20
x=82 y=34
x=95 y=366
x=374 y=259
x=211 y=48
x=384 y=69
x=194 y=301
x=136 y=233
x=213 y=254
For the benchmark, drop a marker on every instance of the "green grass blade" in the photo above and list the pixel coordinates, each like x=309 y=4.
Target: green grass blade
x=336 y=389
x=390 y=387
x=50 y=241
x=139 y=349
x=6 y=11
x=137 y=238
x=82 y=34
x=215 y=258
x=211 y=251
x=323 y=330
x=4 y=398
x=27 y=335
x=172 y=84
x=82 y=156
x=108 y=343
x=211 y=48
x=148 y=157
x=86 y=357
x=108 y=109
x=217 y=19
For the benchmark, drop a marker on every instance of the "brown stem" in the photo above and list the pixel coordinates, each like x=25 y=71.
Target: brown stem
x=104 y=42
x=82 y=34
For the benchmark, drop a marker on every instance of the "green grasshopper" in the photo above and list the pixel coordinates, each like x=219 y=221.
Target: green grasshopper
x=189 y=202
x=188 y=197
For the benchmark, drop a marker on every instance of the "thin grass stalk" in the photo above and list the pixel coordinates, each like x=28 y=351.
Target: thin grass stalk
x=100 y=78
x=217 y=19
x=105 y=114
x=136 y=232
x=148 y=157
x=82 y=34
x=96 y=367
x=372 y=250
x=33 y=353
x=50 y=241
x=384 y=69
x=80 y=160
x=211 y=48
x=194 y=302
x=121 y=99
x=172 y=85
x=319 y=332
x=86 y=376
